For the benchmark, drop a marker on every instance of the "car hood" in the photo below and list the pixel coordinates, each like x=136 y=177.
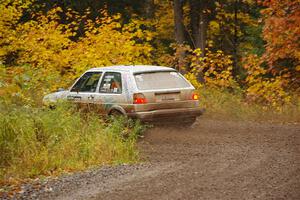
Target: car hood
x=53 y=97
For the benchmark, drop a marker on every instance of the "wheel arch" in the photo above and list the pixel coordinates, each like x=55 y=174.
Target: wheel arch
x=118 y=109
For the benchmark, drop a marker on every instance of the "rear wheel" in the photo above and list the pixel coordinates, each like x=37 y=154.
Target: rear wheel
x=116 y=113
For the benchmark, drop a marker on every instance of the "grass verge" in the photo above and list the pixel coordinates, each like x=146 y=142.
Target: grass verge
x=223 y=104
x=37 y=141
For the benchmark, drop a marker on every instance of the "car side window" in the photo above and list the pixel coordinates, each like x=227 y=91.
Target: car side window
x=111 y=83
x=87 y=83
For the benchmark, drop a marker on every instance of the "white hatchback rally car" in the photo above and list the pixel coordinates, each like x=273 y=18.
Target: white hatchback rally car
x=148 y=93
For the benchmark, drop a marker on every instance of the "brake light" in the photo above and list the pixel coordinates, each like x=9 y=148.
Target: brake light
x=195 y=96
x=139 y=98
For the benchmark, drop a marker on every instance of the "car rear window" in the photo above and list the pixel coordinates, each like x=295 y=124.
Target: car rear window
x=160 y=80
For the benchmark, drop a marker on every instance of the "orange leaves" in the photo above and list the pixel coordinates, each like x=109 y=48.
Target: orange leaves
x=281 y=30
x=270 y=77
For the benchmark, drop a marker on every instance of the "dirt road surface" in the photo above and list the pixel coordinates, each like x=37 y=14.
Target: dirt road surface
x=213 y=160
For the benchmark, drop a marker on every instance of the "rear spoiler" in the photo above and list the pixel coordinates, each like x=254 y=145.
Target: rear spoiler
x=153 y=71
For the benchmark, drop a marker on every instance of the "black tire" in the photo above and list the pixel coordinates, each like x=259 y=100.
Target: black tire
x=115 y=114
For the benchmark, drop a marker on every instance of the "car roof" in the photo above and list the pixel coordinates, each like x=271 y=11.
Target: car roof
x=132 y=68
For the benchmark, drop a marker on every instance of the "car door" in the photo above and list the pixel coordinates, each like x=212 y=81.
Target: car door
x=83 y=91
x=111 y=91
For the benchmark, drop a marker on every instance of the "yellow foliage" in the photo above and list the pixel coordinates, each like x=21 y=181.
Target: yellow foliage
x=164 y=20
x=193 y=79
x=215 y=69
x=264 y=90
x=10 y=13
x=108 y=43
x=45 y=56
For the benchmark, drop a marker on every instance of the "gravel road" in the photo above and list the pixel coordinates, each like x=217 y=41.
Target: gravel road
x=213 y=160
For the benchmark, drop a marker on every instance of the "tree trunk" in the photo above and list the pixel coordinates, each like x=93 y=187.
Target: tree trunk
x=199 y=23
x=178 y=21
x=235 y=39
x=203 y=24
x=149 y=9
x=179 y=33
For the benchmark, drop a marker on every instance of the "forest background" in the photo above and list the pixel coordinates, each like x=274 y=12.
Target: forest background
x=242 y=56
x=246 y=45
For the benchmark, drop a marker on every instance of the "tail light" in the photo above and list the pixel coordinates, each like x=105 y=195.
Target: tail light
x=195 y=96
x=139 y=98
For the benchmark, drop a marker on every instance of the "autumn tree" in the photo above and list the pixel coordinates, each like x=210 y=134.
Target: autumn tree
x=282 y=35
x=39 y=55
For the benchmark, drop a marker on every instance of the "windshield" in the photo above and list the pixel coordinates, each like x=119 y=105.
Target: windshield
x=160 y=80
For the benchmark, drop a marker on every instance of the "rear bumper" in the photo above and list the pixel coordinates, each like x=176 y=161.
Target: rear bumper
x=167 y=114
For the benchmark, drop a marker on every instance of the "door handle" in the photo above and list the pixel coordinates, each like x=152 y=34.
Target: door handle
x=77 y=97
x=70 y=97
x=73 y=98
x=91 y=97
